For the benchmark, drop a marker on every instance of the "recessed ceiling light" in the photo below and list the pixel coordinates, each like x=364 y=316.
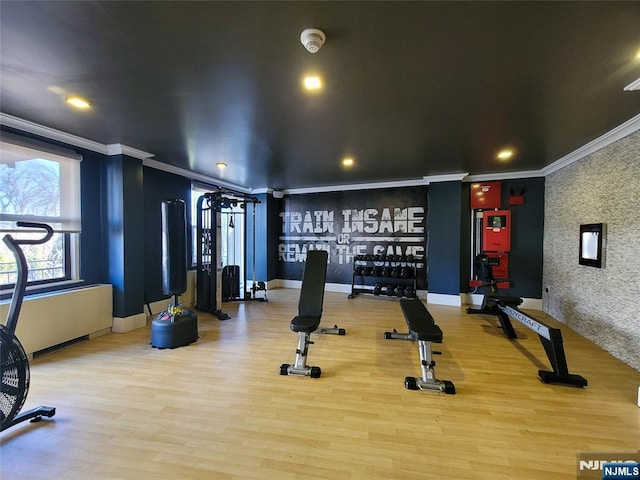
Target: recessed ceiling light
x=78 y=102
x=505 y=154
x=638 y=55
x=312 y=82
x=347 y=162
x=221 y=165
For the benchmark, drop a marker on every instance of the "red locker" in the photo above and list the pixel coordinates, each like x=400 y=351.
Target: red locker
x=496 y=231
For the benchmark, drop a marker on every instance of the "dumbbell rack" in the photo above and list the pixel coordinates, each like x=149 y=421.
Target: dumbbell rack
x=387 y=271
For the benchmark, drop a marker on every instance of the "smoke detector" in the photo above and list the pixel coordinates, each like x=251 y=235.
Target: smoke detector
x=312 y=39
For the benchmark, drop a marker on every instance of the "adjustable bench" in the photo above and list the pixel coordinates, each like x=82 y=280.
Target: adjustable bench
x=423 y=328
x=309 y=312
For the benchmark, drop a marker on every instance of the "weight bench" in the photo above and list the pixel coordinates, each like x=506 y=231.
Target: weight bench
x=309 y=313
x=423 y=328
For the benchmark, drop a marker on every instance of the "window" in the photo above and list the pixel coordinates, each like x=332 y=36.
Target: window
x=39 y=183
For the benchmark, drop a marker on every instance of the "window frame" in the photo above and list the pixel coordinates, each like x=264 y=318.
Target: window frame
x=67 y=223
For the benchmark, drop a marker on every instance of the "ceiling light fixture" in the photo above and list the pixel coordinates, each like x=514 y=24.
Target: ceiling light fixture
x=78 y=102
x=505 y=154
x=347 y=162
x=312 y=82
x=312 y=39
x=221 y=165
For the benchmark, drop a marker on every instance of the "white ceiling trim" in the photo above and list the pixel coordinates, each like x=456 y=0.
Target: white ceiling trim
x=183 y=172
x=51 y=133
x=489 y=177
x=621 y=131
x=356 y=186
x=119 y=149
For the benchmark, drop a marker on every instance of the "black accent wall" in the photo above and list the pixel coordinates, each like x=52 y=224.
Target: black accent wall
x=350 y=223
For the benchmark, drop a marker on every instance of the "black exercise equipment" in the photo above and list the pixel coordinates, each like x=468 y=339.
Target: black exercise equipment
x=504 y=307
x=177 y=326
x=231 y=283
x=423 y=328
x=309 y=312
x=209 y=269
x=13 y=358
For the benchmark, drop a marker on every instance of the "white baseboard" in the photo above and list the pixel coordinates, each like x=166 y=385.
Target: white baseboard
x=127 y=324
x=476 y=299
x=434 y=298
x=443 y=299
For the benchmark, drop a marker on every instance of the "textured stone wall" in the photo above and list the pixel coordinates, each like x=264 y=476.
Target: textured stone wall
x=602 y=304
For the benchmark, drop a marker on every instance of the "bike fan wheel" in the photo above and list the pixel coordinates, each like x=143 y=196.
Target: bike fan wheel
x=15 y=375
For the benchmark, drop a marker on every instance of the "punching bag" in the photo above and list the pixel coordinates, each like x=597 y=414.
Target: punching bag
x=177 y=326
x=174 y=247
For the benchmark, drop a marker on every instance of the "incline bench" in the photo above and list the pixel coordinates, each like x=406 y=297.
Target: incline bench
x=309 y=313
x=423 y=328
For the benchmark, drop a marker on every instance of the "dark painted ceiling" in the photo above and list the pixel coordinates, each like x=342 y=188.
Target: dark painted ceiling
x=411 y=88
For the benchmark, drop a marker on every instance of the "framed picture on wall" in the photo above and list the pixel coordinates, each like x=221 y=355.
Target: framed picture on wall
x=592 y=244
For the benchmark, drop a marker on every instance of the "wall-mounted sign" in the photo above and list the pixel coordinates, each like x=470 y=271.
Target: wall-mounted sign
x=346 y=224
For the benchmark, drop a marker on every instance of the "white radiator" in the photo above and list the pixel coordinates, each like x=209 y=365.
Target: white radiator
x=53 y=318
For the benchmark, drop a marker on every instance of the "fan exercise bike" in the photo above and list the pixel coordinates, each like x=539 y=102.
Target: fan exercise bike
x=14 y=360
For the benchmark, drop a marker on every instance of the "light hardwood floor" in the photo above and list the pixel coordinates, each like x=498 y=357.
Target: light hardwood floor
x=218 y=409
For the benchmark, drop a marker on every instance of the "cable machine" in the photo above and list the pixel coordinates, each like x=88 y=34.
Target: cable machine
x=209 y=264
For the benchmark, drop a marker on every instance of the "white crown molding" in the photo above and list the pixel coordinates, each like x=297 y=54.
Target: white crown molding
x=119 y=149
x=635 y=85
x=488 y=177
x=451 y=177
x=51 y=133
x=621 y=131
x=165 y=167
x=627 y=128
x=355 y=186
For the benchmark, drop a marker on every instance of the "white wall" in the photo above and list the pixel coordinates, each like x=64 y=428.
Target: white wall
x=603 y=305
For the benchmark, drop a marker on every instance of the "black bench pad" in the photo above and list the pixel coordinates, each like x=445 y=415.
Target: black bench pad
x=305 y=324
x=421 y=324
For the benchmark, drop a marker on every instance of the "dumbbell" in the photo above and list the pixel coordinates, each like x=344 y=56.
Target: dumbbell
x=395 y=272
x=410 y=257
x=358 y=270
x=390 y=290
x=406 y=272
x=386 y=272
x=377 y=289
x=399 y=291
x=408 y=292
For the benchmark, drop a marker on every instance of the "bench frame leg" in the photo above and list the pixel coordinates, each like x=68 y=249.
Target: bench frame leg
x=427 y=365
x=335 y=330
x=428 y=381
x=300 y=366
